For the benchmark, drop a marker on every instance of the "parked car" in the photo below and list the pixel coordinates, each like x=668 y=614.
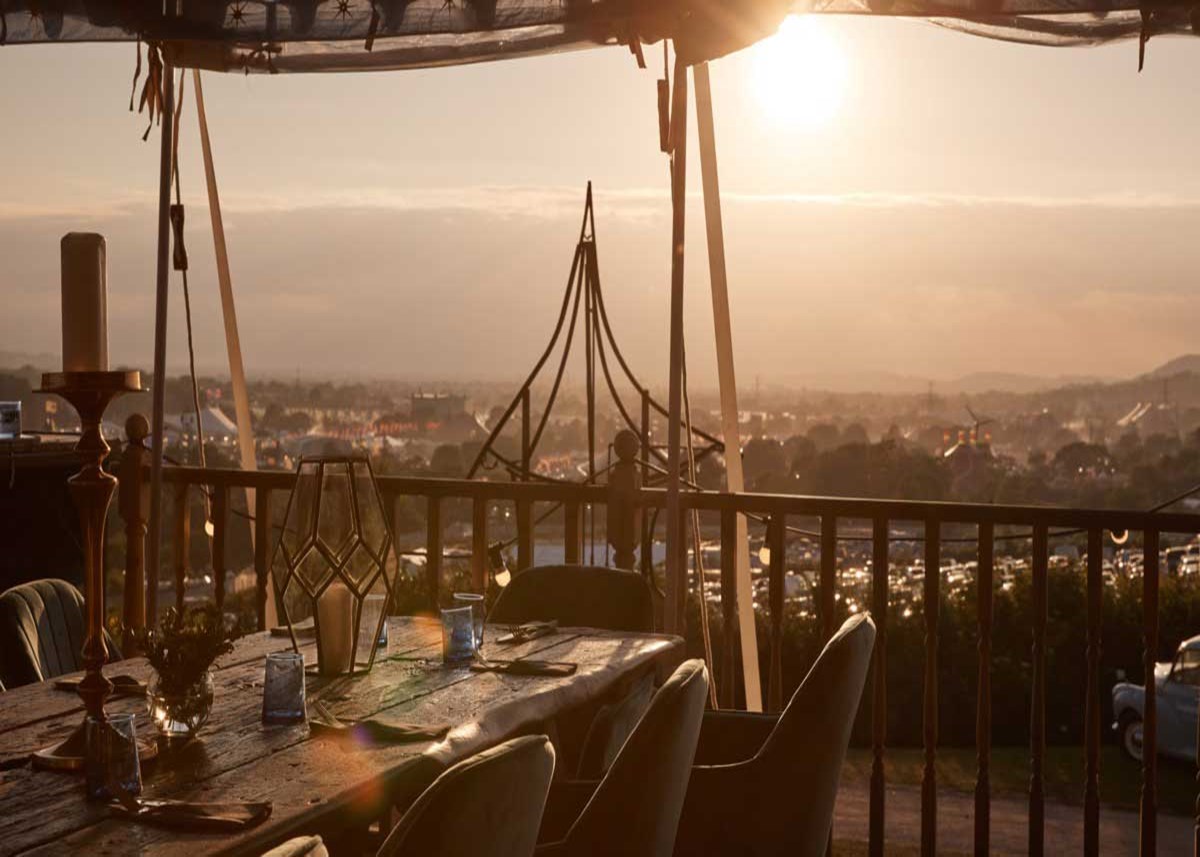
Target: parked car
x=1177 y=684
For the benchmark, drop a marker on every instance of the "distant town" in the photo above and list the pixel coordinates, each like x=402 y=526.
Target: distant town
x=1132 y=443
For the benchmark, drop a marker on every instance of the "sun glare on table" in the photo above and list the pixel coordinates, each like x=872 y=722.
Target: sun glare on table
x=799 y=74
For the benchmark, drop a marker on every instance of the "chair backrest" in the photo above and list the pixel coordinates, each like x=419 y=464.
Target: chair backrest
x=635 y=809
x=42 y=629
x=798 y=767
x=301 y=846
x=487 y=806
x=612 y=725
x=577 y=596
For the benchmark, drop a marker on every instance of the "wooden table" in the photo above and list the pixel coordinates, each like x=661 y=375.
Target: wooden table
x=310 y=781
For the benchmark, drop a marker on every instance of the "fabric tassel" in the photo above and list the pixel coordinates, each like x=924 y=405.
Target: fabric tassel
x=137 y=72
x=373 y=28
x=1143 y=37
x=152 y=96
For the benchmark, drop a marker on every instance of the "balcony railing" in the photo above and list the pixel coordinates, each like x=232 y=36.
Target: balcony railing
x=926 y=522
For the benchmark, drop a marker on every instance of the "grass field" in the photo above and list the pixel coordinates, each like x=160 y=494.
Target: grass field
x=1120 y=777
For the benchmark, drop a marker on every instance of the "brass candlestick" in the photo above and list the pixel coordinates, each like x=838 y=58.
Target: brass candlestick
x=91 y=489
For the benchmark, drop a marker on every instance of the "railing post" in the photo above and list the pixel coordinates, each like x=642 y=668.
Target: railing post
x=572 y=532
x=931 y=609
x=262 y=556
x=479 y=544
x=647 y=535
x=623 y=516
x=1037 y=716
x=133 y=502
x=777 y=545
x=220 y=514
x=879 y=605
x=1091 y=788
x=433 y=550
x=1149 y=809
x=524 y=507
x=182 y=542
x=828 y=584
x=983 y=705
x=729 y=612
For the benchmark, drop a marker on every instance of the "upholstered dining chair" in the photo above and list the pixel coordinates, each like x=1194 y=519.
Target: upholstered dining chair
x=577 y=595
x=766 y=784
x=634 y=810
x=590 y=597
x=489 y=805
x=42 y=629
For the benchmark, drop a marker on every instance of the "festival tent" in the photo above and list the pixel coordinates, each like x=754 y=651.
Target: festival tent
x=357 y=35
x=291 y=36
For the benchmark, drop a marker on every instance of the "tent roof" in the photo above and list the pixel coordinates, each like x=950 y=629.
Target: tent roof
x=352 y=35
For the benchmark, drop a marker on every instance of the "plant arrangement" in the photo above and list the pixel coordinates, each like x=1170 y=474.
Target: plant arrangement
x=184 y=646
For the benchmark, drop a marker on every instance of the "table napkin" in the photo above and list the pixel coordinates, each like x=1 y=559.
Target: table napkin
x=526 y=666
x=188 y=815
x=374 y=731
x=123 y=685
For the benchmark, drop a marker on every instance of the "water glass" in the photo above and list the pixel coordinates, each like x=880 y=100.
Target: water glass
x=374 y=608
x=111 y=763
x=475 y=602
x=283 y=689
x=458 y=635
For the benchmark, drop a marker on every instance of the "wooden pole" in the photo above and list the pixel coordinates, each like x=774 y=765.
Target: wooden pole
x=233 y=342
x=734 y=480
x=160 y=345
x=673 y=614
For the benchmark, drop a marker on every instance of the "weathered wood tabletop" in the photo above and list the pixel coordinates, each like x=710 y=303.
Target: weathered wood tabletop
x=307 y=779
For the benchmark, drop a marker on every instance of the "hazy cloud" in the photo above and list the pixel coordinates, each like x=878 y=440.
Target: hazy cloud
x=459 y=283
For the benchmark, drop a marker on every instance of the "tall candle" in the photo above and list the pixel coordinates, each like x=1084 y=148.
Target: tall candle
x=84 y=303
x=335 y=613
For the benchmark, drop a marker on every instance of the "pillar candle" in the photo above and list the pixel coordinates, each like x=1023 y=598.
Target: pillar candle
x=335 y=613
x=84 y=303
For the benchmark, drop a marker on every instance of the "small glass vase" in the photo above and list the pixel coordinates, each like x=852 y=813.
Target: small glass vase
x=179 y=716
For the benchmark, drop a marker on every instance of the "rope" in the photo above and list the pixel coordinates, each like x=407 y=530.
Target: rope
x=180 y=263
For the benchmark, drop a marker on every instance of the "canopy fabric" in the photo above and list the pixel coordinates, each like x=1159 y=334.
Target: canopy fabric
x=353 y=35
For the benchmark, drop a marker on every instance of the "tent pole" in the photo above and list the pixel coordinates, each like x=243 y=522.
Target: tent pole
x=233 y=342
x=160 y=344
x=676 y=589
x=734 y=480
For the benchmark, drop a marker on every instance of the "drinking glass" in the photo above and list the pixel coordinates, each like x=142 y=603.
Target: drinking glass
x=374 y=608
x=475 y=602
x=111 y=762
x=283 y=689
x=458 y=635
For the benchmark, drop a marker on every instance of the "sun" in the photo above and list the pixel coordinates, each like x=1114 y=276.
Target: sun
x=799 y=74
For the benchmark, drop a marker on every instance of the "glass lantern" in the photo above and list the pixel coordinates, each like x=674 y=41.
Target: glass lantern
x=331 y=557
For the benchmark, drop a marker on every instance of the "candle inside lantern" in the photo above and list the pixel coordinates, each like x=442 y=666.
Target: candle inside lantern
x=335 y=615
x=84 y=303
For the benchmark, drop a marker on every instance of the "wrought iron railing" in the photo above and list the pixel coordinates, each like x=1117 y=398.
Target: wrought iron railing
x=926 y=522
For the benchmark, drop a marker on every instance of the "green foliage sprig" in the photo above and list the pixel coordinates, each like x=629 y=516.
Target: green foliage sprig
x=184 y=645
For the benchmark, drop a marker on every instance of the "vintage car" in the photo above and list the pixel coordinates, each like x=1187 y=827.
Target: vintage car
x=1178 y=687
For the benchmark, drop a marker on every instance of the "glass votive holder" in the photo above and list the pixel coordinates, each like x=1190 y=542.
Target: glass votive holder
x=111 y=763
x=283 y=689
x=475 y=601
x=458 y=635
x=374 y=610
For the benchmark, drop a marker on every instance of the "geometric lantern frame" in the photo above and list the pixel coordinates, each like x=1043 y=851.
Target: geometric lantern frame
x=335 y=530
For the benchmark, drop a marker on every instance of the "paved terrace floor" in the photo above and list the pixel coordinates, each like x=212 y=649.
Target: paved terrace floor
x=1009 y=827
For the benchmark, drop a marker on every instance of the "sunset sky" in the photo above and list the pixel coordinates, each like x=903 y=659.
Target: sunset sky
x=905 y=199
